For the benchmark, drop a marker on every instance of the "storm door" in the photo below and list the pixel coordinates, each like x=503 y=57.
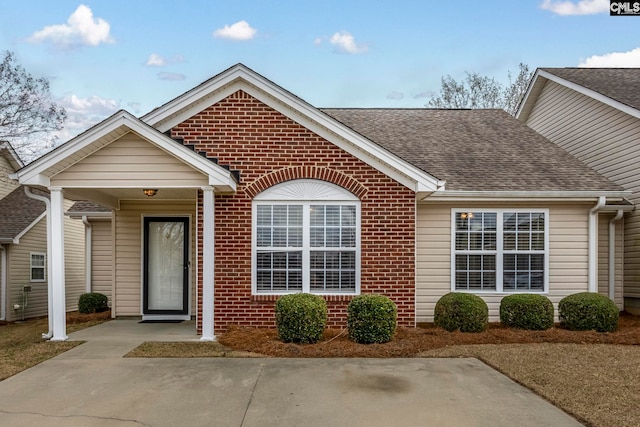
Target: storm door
x=166 y=265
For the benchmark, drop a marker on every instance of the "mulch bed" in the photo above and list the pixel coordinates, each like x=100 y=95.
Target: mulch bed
x=410 y=342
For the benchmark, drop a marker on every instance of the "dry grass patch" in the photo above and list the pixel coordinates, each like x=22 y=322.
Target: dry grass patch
x=22 y=346
x=187 y=350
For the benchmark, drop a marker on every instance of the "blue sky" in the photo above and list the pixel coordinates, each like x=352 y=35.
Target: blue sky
x=101 y=56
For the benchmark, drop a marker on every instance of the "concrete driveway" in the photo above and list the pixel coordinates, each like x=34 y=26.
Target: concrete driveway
x=93 y=385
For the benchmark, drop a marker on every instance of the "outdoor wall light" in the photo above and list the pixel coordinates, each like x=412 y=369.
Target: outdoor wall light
x=150 y=192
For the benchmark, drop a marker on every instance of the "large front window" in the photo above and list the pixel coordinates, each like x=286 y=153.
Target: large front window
x=306 y=245
x=500 y=250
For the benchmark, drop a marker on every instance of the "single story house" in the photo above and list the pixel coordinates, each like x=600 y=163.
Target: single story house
x=238 y=191
x=594 y=114
x=23 y=248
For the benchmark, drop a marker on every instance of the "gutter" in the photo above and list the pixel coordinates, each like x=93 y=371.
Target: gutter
x=612 y=253
x=593 y=244
x=3 y=283
x=47 y=203
x=87 y=252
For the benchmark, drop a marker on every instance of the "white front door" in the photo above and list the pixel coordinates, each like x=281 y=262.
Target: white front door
x=166 y=266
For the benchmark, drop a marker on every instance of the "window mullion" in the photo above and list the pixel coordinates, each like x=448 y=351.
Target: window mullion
x=499 y=251
x=306 y=244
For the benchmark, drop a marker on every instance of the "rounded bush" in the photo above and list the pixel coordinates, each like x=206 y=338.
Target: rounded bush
x=526 y=311
x=587 y=311
x=92 y=302
x=461 y=311
x=301 y=318
x=371 y=319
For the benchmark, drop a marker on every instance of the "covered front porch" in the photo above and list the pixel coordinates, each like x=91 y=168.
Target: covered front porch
x=162 y=196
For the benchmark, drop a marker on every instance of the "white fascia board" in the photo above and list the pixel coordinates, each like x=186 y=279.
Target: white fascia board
x=242 y=78
x=16 y=240
x=89 y=215
x=443 y=196
x=526 y=101
x=587 y=92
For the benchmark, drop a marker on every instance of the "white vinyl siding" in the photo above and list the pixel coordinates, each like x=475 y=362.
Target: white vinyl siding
x=567 y=252
x=128 y=250
x=607 y=140
x=102 y=257
x=119 y=165
x=6 y=185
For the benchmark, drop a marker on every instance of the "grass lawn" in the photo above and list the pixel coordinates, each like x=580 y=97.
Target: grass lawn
x=22 y=346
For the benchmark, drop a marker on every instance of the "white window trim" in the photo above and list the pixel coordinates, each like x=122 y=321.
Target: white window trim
x=305 y=192
x=31 y=267
x=499 y=252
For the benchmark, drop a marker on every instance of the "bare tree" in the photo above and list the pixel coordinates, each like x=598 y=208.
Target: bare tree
x=26 y=108
x=477 y=91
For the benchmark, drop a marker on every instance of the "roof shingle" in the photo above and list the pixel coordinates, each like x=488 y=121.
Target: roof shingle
x=474 y=150
x=17 y=211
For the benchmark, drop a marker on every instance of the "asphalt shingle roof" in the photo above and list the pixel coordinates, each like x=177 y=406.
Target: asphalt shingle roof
x=17 y=211
x=87 y=207
x=474 y=150
x=620 y=84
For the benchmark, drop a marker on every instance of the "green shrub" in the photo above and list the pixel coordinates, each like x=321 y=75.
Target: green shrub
x=526 y=311
x=588 y=311
x=92 y=302
x=461 y=311
x=371 y=319
x=301 y=318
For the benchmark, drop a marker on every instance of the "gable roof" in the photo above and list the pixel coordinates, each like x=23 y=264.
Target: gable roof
x=107 y=131
x=90 y=209
x=18 y=212
x=475 y=150
x=617 y=87
x=240 y=77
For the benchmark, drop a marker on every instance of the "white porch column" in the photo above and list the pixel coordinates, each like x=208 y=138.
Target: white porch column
x=208 y=253
x=57 y=265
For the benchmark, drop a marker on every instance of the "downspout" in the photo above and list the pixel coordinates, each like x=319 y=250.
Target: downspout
x=87 y=252
x=3 y=283
x=47 y=203
x=593 y=244
x=612 y=253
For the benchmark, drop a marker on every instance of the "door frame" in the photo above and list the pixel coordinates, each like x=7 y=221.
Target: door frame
x=183 y=314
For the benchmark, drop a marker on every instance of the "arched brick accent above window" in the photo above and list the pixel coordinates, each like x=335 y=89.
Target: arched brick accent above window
x=306 y=172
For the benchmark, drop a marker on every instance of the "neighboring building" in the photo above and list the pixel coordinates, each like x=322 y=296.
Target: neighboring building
x=594 y=114
x=23 y=248
x=238 y=192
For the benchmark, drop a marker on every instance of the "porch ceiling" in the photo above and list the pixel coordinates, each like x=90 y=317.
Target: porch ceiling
x=111 y=197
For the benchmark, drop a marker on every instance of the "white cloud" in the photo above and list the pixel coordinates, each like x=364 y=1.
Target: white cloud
x=241 y=30
x=345 y=42
x=81 y=29
x=581 y=7
x=82 y=113
x=396 y=96
x=317 y=41
x=156 y=60
x=614 y=59
x=171 y=76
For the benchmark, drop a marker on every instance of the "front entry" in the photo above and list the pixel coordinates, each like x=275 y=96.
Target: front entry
x=166 y=267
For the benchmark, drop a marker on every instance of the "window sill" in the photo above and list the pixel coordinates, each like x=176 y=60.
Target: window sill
x=275 y=297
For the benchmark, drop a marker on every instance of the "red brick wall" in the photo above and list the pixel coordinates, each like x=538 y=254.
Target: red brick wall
x=269 y=148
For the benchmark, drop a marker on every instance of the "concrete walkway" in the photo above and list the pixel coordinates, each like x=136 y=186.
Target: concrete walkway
x=93 y=385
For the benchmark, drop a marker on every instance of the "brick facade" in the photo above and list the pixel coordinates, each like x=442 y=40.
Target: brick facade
x=268 y=148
